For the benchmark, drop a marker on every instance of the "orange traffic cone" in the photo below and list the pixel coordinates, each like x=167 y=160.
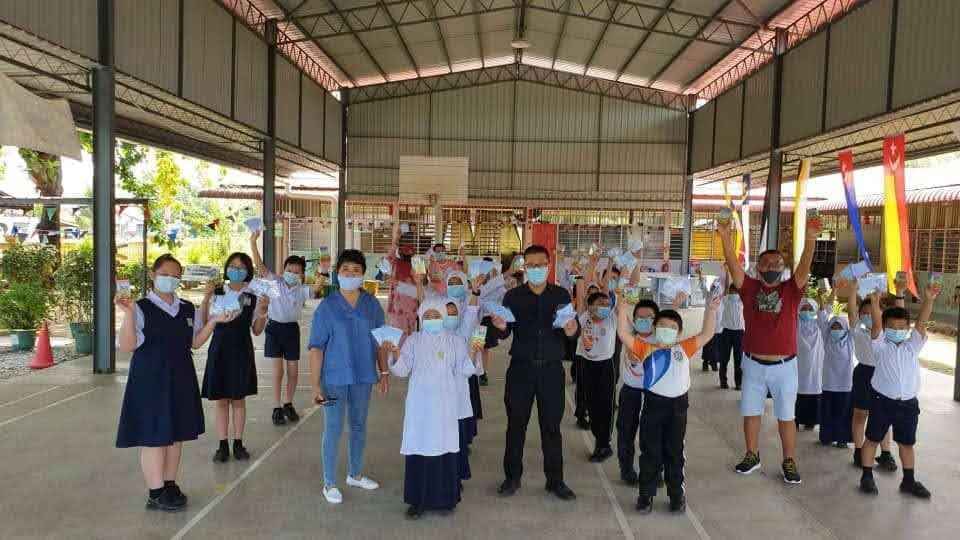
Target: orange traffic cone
x=44 y=357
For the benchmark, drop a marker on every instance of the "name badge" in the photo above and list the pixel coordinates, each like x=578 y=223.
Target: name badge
x=246 y=301
x=190 y=322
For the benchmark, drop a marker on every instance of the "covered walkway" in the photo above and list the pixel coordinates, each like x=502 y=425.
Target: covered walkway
x=57 y=429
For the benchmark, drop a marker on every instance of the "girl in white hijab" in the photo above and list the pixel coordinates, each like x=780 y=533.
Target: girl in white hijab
x=837 y=403
x=809 y=365
x=435 y=359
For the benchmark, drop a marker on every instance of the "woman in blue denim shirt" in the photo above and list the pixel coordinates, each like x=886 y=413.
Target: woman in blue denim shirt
x=345 y=362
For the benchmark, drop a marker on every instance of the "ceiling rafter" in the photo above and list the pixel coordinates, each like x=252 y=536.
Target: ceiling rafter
x=357 y=38
x=683 y=49
x=556 y=46
x=603 y=33
x=643 y=41
x=403 y=42
x=299 y=26
x=476 y=32
x=443 y=39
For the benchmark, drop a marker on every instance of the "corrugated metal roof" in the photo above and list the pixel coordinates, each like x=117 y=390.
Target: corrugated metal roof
x=918 y=196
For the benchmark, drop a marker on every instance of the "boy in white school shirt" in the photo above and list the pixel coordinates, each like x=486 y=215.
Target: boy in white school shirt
x=896 y=384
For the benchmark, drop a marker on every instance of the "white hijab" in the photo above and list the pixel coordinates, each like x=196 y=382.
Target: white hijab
x=842 y=349
x=809 y=335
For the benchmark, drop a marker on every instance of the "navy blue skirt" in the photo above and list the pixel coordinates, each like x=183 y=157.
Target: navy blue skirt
x=432 y=482
x=836 y=417
x=468 y=430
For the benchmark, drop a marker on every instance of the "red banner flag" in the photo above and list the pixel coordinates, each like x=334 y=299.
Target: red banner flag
x=896 y=221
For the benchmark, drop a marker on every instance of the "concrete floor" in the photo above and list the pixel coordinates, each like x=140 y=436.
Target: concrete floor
x=61 y=477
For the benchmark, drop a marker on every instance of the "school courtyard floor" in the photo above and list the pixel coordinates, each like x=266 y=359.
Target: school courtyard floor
x=61 y=477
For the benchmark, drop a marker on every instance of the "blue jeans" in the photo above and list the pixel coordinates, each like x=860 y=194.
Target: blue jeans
x=354 y=399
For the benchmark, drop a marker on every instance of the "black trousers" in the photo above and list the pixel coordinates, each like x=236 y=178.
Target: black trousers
x=524 y=384
x=598 y=385
x=731 y=341
x=663 y=427
x=711 y=352
x=579 y=393
x=628 y=422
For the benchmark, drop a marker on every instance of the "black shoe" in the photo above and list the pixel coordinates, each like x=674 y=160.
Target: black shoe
x=857 y=458
x=278 y=418
x=750 y=463
x=601 y=454
x=509 y=487
x=887 y=463
x=414 y=513
x=165 y=502
x=679 y=504
x=737 y=387
x=561 y=491
x=868 y=486
x=483 y=380
x=290 y=412
x=222 y=455
x=629 y=477
x=176 y=494
x=715 y=367
x=239 y=452
x=791 y=473
x=839 y=444
x=583 y=423
x=706 y=366
x=916 y=489
x=644 y=504
x=724 y=385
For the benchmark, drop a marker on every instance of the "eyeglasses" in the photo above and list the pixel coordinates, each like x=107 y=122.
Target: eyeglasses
x=529 y=266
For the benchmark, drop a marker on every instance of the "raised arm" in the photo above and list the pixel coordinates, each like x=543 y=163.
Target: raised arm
x=930 y=294
x=625 y=325
x=802 y=272
x=260 y=315
x=255 y=254
x=853 y=308
x=709 y=322
x=876 y=315
x=730 y=255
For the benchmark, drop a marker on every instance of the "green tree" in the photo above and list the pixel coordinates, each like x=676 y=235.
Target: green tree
x=47 y=175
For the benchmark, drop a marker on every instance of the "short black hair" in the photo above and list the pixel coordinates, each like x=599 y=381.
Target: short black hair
x=296 y=259
x=488 y=259
x=895 y=313
x=615 y=269
x=769 y=252
x=649 y=304
x=533 y=249
x=163 y=259
x=352 y=256
x=592 y=299
x=671 y=315
x=865 y=303
x=245 y=260
x=439 y=245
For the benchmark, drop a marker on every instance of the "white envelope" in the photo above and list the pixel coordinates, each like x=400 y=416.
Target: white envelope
x=254 y=224
x=564 y=315
x=870 y=283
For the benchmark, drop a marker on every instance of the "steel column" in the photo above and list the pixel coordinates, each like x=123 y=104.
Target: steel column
x=104 y=353
x=771 y=202
x=687 y=235
x=270 y=151
x=342 y=183
x=956 y=370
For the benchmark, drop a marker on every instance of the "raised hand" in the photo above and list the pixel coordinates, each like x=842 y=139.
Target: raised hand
x=499 y=322
x=125 y=303
x=224 y=317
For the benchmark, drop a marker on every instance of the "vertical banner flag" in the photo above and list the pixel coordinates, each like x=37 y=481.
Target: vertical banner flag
x=738 y=242
x=896 y=222
x=853 y=211
x=763 y=222
x=745 y=220
x=800 y=210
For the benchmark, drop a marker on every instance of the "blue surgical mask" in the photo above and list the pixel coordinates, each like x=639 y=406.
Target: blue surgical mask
x=666 y=336
x=439 y=255
x=236 y=275
x=537 y=275
x=643 y=326
x=166 y=284
x=433 y=326
x=451 y=322
x=837 y=334
x=808 y=316
x=348 y=283
x=896 y=336
x=291 y=279
x=457 y=291
x=603 y=312
x=867 y=321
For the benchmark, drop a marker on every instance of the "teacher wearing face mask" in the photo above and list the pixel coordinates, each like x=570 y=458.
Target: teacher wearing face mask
x=770 y=312
x=535 y=372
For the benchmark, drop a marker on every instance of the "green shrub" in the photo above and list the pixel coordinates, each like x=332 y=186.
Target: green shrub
x=23 y=306
x=74 y=280
x=133 y=272
x=29 y=263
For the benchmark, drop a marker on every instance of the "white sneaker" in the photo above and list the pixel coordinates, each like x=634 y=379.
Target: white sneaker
x=333 y=495
x=363 y=483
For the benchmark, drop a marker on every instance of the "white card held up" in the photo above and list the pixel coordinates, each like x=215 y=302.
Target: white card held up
x=385 y=267
x=614 y=253
x=602 y=264
x=387 y=334
x=871 y=283
x=225 y=304
x=475 y=268
x=492 y=285
x=406 y=289
x=855 y=271
x=564 y=315
x=264 y=287
x=627 y=262
x=499 y=310
x=672 y=286
x=255 y=224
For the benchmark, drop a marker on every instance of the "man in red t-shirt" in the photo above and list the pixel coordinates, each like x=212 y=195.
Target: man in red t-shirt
x=770 y=310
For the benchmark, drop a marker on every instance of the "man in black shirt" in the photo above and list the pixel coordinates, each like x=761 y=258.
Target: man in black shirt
x=535 y=372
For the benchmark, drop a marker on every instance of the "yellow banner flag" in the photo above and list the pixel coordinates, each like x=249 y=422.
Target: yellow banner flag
x=800 y=210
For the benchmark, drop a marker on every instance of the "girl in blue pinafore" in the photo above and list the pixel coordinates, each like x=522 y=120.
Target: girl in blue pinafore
x=230 y=374
x=161 y=403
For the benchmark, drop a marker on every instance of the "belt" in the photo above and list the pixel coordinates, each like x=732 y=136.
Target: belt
x=770 y=362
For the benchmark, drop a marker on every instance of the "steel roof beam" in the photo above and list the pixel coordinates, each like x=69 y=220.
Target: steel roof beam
x=476 y=32
x=662 y=70
x=351 y=32
x=443 y=40
x=303 y=30
x=556 y=46
x=403 y=42
x=603 y=33
x=643 y=41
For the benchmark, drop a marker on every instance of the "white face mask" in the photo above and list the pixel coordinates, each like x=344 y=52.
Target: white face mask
x=666 y=336
x=166 y=284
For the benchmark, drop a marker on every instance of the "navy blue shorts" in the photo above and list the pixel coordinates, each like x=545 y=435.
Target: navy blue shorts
x=862 y=391
x=903 y=416
x=283 y=341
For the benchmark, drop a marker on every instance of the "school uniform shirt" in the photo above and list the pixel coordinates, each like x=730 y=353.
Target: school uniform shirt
x=838 y=357
x=631 y=368
x=731 y=316
x=898 y=367
x=863 y=345
x=170 y=309
x=604 y=337
x=666 y=372
x=435 y=364
x=342 y=332
x=810 y=355
x=288 y=305
x=469 y=319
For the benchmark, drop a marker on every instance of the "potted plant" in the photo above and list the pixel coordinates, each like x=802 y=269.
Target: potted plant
x=22 y=307
x=74 y=281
